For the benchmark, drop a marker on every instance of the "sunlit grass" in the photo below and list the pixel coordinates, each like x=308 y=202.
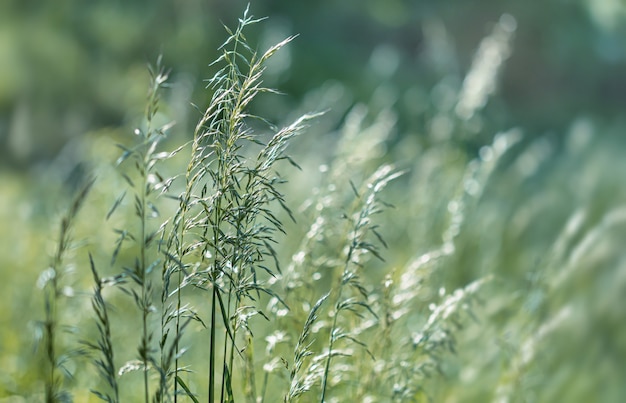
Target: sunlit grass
x=449 y=275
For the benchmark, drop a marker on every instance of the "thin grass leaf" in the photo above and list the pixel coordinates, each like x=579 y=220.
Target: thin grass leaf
x=188 y=392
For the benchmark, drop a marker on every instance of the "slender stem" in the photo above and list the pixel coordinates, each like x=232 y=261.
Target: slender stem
x=232 y=290
x=50 y=326
x=212 y=347
x=331 y=337
x=225 y=352
x=331 y=340
x=214 y=274
x=51 y=300
x=178 y=303
x=144 y=298
x=181 y=237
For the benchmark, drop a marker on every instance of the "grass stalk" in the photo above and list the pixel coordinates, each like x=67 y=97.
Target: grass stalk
x=367 y=205
x=51 y=282
x=222 y=209
x=105 y=364
x=145 y=184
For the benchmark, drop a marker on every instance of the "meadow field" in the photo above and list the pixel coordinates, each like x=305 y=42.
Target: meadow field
x=408 y=217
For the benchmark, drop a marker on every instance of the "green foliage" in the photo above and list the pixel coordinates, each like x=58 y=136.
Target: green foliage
x=449 y=274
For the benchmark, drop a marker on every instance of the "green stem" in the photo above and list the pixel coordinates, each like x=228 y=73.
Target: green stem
x=331 y=338
x=212 y=347
x=144 y=298
x=50 y=326
x=225 y=352
x=214 y=274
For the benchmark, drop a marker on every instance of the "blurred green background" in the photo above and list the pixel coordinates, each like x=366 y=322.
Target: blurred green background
x=70 y=66
x=72 y=70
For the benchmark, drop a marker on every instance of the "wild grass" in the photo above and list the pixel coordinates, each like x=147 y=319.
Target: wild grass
x=391 y=282
x=52 y=330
